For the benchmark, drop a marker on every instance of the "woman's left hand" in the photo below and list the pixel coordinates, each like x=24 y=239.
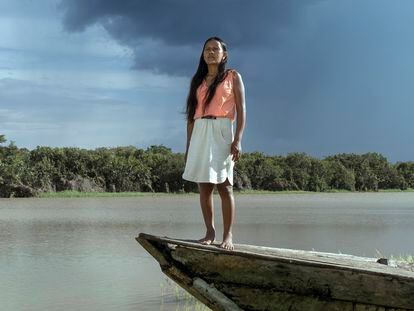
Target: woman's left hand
x=236 y=150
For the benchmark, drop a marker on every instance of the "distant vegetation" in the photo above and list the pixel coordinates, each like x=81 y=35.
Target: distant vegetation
x=25 y=173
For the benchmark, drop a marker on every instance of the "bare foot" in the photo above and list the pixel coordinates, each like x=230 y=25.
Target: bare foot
x=209 y=238
x=227 y=242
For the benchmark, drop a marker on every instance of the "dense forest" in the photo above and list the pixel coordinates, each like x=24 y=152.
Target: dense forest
x=25 y=173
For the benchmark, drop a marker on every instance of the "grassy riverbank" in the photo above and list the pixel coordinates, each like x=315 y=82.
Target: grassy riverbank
x=26 y=173
x=78 y=194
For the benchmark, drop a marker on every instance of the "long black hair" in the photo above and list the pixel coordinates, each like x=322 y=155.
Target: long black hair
x=198 y=77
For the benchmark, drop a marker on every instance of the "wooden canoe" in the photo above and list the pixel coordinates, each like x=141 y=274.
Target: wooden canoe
x=264 y=278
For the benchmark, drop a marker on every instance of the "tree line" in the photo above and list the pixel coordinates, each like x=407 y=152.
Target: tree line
x=25 y=173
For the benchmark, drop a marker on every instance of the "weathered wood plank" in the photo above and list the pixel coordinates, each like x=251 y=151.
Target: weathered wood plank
x=359 y=307
x=197 y=287
x=271 y=300
x=261 y=278
x=208 y=290
x=309 y=257
x=322 y=281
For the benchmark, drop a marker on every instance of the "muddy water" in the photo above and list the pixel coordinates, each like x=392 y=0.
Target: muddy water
x=80 y=254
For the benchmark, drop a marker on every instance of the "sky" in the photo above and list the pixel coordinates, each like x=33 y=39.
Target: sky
x=321 y=76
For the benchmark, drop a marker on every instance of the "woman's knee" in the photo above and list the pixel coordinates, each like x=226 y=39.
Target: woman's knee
x=225 y=188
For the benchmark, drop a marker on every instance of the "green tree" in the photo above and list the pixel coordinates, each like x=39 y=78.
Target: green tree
x=25 y=173
x=241 y=179
x=318 y=174
x=13 y=171
x=166 y=169
x=297 y=172
x=338 y=176
x=406 y=170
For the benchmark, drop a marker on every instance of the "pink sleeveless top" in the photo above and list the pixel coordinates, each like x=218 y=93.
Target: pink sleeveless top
x=222 y=104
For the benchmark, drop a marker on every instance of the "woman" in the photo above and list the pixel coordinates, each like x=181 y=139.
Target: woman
x=216 y=95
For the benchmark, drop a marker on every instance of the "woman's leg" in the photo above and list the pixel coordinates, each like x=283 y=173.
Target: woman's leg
x=228 y=208
x=207 y=208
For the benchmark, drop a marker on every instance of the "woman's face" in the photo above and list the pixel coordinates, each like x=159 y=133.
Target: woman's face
x=213 y=53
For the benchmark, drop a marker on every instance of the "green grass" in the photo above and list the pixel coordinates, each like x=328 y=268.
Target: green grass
x=407 y=258
x=396 y=190
x=273 y=192
x=185 y=301
x=316 y=192
x=78 y=194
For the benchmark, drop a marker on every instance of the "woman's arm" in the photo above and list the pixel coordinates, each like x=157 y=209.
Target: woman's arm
x=239 y=96
x=190 y=125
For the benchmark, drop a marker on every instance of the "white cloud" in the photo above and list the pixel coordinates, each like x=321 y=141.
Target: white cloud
x=99 y=78
x=32 y=115
x=8 y=115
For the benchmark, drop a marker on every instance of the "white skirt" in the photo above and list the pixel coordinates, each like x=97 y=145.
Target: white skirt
x=208 y=158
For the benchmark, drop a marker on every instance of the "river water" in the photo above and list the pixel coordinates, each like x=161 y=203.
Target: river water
x=80 y=254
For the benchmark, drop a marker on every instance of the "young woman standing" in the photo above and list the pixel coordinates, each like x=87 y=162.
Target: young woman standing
x=215 y=100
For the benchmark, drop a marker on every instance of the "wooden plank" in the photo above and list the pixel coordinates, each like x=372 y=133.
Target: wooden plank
x=197 y=287
x=341 y=261
x=360 y=307
x=208 y=290
x=154 y=251
x=323 y=281
x=270 y=300
x=299 y=278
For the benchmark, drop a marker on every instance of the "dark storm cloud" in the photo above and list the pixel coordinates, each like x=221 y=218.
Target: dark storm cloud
x=166 y=36
x=321 y=77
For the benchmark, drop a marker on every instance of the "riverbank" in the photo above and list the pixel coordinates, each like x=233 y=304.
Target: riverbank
x=78 y=194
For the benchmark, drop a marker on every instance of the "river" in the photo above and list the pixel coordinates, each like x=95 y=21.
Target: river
x=80 y=253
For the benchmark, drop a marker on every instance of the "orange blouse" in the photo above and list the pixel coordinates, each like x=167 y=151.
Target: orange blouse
x=222 y=104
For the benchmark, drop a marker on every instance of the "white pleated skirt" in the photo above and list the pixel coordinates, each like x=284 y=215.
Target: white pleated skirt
x=208 y=158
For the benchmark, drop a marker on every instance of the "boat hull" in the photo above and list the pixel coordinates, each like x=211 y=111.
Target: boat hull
x=259 y=278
